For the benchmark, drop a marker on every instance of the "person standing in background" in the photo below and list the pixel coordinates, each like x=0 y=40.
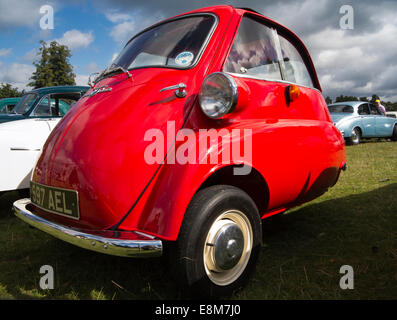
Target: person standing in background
x=381 y=108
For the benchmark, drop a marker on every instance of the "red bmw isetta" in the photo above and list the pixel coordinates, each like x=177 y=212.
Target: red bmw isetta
x=205 y=124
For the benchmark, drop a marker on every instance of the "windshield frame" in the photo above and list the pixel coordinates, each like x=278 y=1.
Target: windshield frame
x=196 y=59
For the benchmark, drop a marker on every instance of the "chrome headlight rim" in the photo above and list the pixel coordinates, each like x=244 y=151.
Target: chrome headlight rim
x=233 y=98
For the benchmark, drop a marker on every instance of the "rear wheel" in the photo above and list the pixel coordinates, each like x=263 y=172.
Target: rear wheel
x=218 y=243
x=355 y=137
x=394 y=136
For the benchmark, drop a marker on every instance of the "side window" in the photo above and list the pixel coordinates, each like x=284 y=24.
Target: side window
x=374 y=109
x=43 y=108
x=294 y=67
x=254 y=51
x=10 y=107
x=363 y=109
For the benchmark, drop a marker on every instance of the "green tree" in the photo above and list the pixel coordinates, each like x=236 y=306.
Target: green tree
x=343 y=98
x=54 y=68
x=328 y=100
x=7 y=91
x=365 y=99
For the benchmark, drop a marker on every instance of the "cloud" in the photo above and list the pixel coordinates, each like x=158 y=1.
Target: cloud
x=92 y=67
x=81 y=79
x=122 y=32
x=16 y=74
x=356 y=63
x=30 y=56
x=19 y=13
x=117 y=17
x=76 y=39
x=5 y=52
x=129 y=24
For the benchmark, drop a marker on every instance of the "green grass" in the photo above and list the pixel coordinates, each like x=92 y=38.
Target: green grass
x=355 y=224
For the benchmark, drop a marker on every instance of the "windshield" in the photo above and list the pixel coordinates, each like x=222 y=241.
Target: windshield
x=175 y=44
x=25 y=103
x=340 y=108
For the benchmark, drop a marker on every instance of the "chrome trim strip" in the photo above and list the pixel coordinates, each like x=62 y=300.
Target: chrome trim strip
x=269 y=80
x=108 y=245
x=23 y=149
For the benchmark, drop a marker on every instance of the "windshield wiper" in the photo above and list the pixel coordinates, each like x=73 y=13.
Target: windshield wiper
x=113 y=68
x=117 y=68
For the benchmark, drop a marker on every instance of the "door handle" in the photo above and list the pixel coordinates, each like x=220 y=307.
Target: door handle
x=180 y=91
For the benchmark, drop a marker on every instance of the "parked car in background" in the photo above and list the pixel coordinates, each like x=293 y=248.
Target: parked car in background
x=221 y=71
x=357 y=120
x=48 y=102
x=7 y=104
x=21 y=141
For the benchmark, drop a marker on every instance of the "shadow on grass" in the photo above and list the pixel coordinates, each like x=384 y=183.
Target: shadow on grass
x=304 y=249
x=301 y=258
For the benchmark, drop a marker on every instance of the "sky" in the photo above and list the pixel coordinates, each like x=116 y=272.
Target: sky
x=359 y=61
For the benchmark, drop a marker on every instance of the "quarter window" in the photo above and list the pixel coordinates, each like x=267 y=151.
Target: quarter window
x=294 y=67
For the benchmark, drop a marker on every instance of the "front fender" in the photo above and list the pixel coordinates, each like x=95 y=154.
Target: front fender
x=161 y=209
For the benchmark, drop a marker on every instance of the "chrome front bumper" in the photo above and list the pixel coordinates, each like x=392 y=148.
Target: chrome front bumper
x=119 y=243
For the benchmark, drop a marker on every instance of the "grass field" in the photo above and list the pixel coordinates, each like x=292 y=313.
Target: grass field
x=354 y=224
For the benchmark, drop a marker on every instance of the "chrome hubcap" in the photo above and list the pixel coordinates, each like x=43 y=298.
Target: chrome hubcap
x=354 y=136
x=228 y=247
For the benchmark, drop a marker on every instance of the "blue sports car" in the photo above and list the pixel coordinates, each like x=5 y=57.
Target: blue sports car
x=358 y=119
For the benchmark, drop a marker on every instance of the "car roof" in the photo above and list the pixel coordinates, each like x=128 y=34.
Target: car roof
x=349 y=103
x=59 y=89
x=11 y=99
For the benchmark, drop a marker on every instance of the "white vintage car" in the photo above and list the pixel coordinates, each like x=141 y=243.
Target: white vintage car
x=24 y=131
x=21 y=142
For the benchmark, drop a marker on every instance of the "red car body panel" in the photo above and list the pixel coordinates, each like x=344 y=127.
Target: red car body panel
x=98 y=147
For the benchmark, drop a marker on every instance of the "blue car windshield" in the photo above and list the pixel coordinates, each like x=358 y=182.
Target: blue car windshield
x=341 y=108
x=25 y=103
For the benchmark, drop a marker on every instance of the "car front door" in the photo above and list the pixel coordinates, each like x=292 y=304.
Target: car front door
x=367 y=120
x=383 y=124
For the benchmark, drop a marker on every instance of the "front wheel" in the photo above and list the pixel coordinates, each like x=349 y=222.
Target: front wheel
x=219 y=241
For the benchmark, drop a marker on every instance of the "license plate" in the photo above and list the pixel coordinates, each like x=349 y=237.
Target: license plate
x=56 y=200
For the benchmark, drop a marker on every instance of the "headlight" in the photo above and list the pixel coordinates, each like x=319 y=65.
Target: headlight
x=218 y=95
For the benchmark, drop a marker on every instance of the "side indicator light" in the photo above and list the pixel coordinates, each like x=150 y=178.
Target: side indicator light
x=292 y=93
